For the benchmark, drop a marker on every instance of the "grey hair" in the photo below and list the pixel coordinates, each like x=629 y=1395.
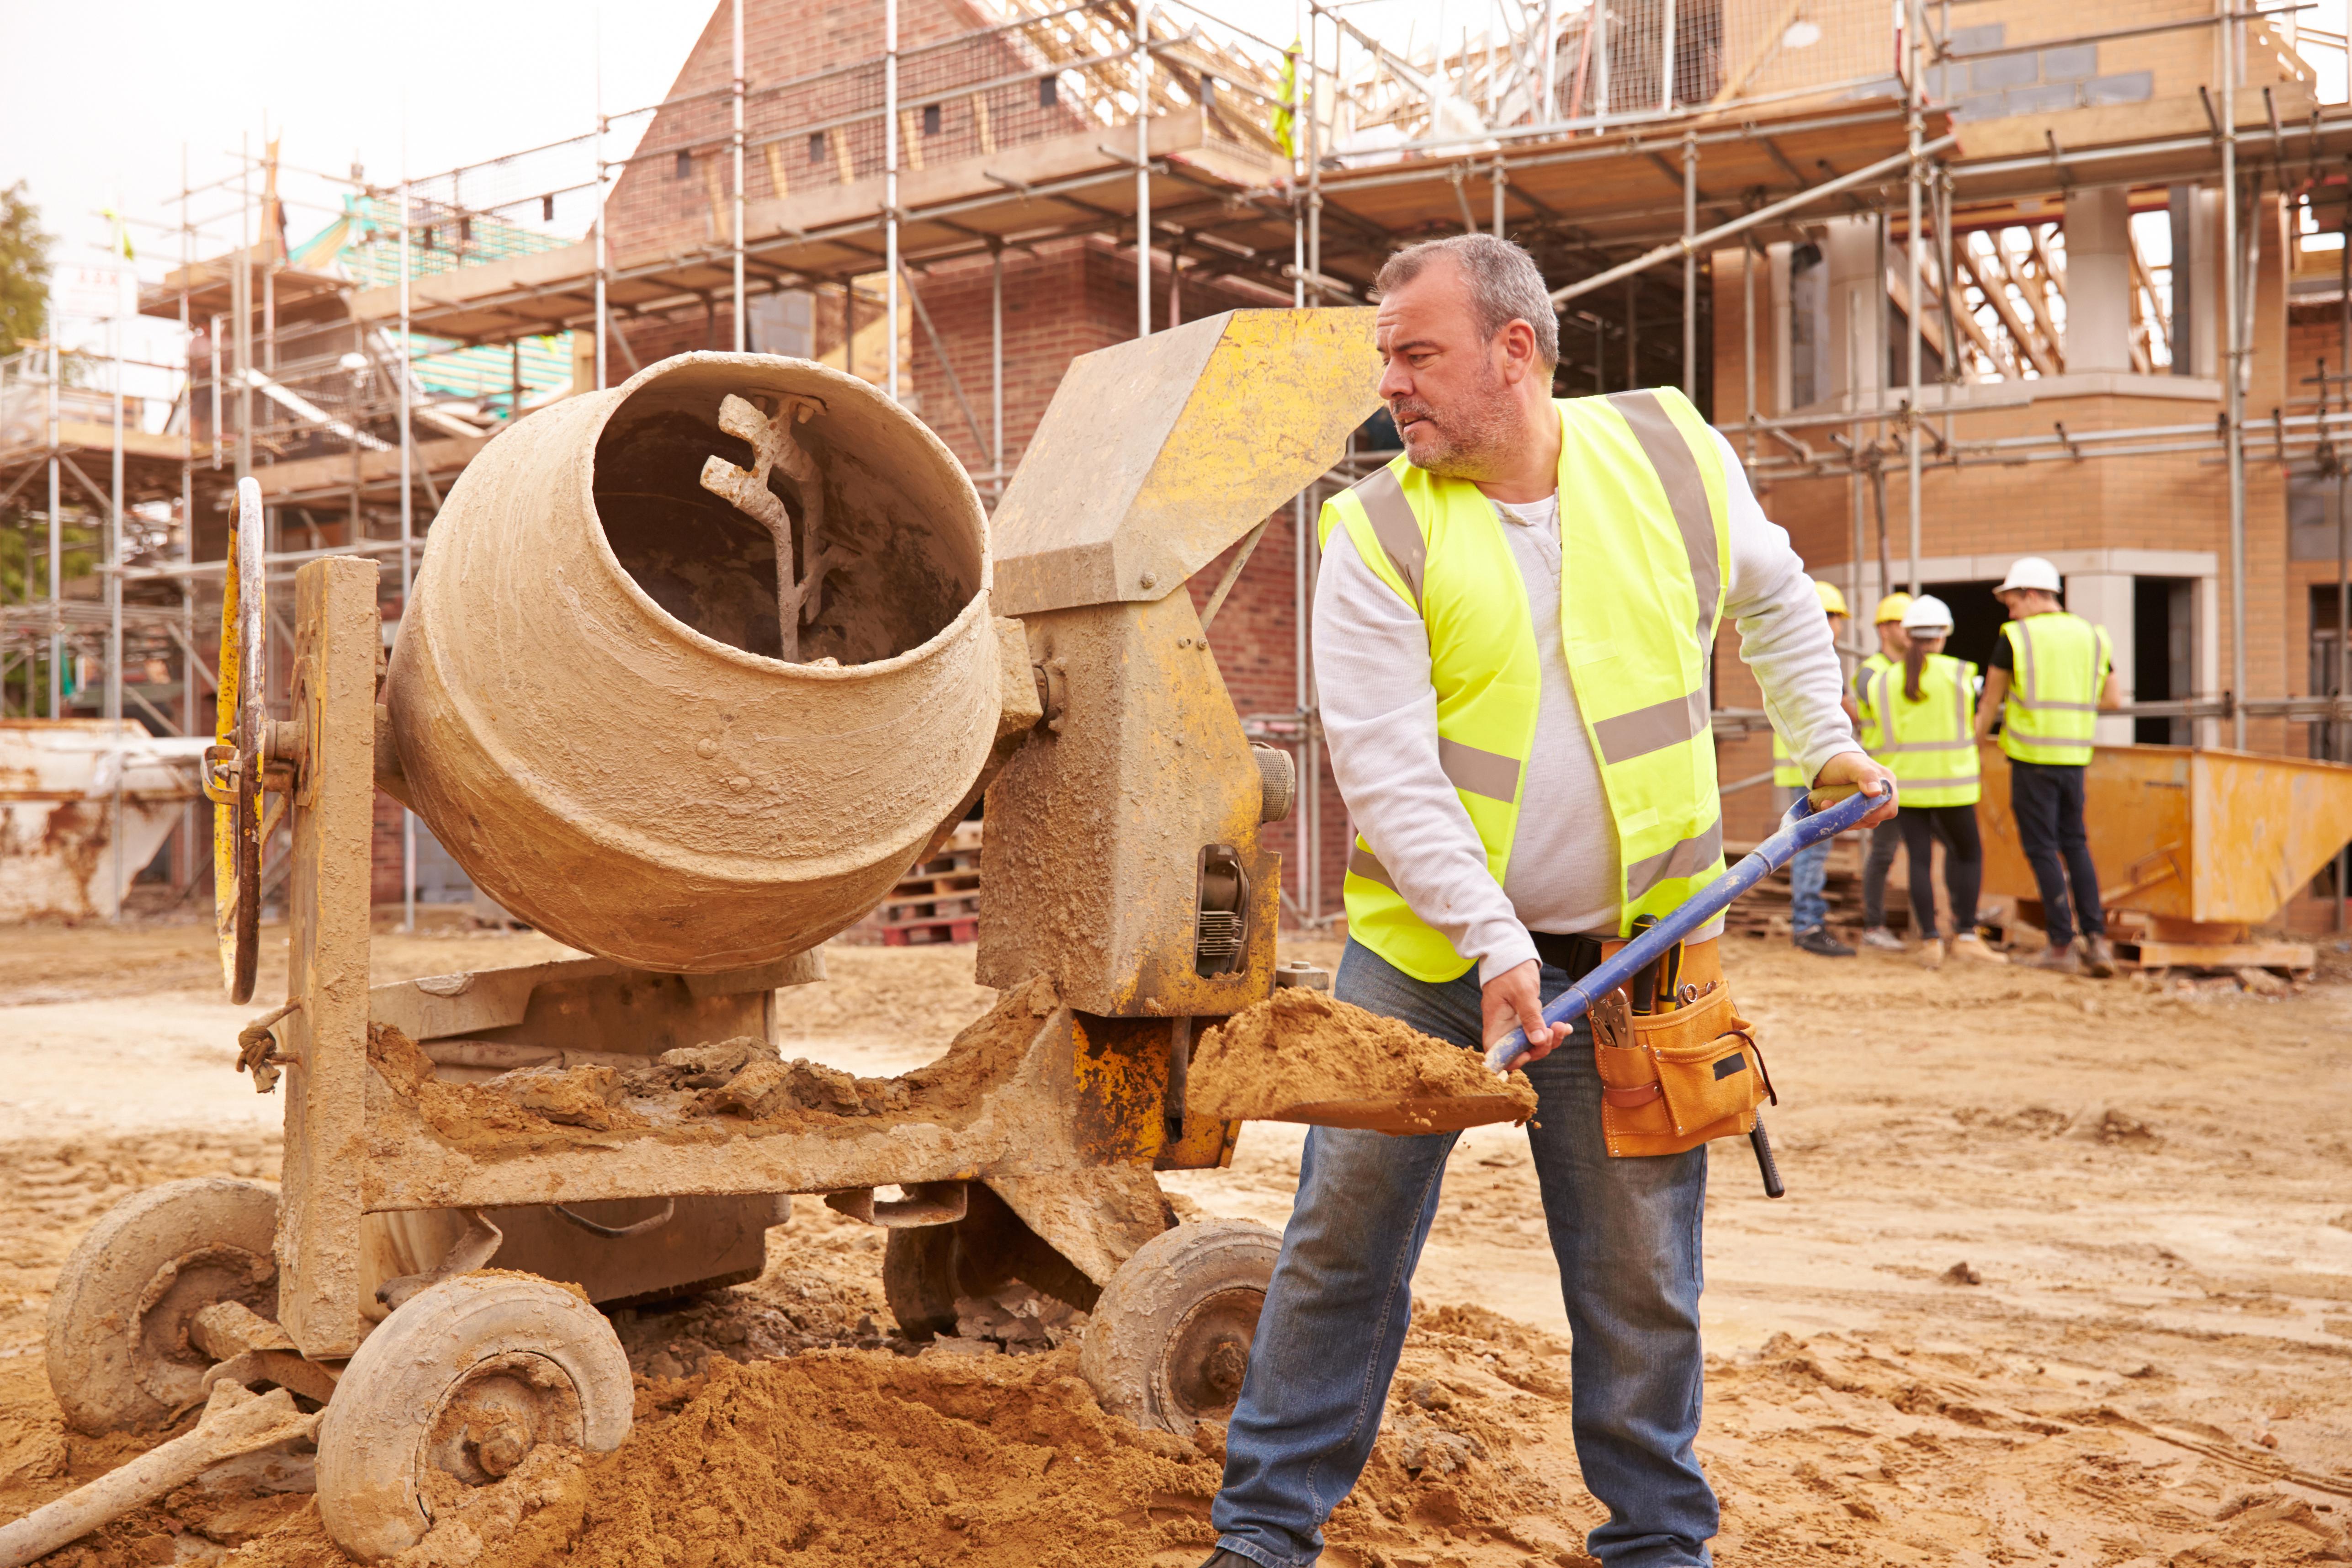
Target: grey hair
x=1506 y=284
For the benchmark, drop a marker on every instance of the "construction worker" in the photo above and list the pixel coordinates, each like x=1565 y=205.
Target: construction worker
x=1809 y=908
x=1515 y=690
x=2050 y=674
x=1887 y=837
x=1926 y=710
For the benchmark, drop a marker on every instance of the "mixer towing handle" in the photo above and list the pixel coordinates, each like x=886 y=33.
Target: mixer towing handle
x=1803 y=827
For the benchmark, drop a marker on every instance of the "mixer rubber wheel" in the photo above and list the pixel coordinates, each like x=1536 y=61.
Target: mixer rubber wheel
x=927 y=1269
x=1171 y=1337
x=118 y=1350
x=452 y=1392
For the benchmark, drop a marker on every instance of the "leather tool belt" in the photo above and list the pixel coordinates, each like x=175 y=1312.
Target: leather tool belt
x=1685 y=1072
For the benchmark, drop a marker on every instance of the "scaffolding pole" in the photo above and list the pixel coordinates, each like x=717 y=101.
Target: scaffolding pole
x=603 y=251
x=2233 y=416
x=1143 y=169
x=407 y=539
x=1690 y=251
x=190 y=815
x=57 y=537
x=114 y=599
x=2342 y=685
x=890 y=195
x=735 y=224
x=996 y=358
x=1914 y=316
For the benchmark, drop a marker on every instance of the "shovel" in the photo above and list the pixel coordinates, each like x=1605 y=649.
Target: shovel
x=1802 y=829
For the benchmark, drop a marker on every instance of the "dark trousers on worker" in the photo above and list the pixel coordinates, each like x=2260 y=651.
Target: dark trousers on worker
x=1963 y=864
x=1884 y=840
x=1625 y=1233
x=2047 y=800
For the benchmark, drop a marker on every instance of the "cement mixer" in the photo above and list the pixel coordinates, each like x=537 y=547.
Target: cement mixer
x=693 y=671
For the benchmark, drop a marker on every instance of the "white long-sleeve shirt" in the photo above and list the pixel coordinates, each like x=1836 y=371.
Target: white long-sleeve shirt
x=1380 y=716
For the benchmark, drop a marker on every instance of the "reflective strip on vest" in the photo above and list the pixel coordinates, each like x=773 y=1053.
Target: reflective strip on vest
x=1641 y=565
x=1391 y=515
x=1871 y=733
x=1475 y=772
x=1933 y=752
x=1653 y=729
x=2052 y=711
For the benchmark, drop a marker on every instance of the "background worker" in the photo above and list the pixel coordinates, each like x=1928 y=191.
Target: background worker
x=2051 y=673
x=1515 y=690
x=1887 y=837
x=1809 y=873
x=1925 y=707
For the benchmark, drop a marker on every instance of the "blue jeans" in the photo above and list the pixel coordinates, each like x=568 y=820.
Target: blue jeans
x=1808 y=876
x=1626 y=1235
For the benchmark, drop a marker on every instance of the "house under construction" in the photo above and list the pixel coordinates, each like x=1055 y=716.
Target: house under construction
x=1961 y=280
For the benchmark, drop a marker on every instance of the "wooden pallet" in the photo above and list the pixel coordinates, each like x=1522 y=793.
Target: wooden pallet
x=936 y=901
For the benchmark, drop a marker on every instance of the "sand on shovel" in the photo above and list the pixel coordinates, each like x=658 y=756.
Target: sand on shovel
x=1302 y=1056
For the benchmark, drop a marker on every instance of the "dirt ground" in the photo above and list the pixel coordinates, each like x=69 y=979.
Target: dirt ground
x=2065 y=1276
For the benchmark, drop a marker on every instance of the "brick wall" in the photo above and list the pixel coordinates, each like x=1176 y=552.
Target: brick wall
x=813 y=76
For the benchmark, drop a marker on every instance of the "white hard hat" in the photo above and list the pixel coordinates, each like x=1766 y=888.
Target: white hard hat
x=2030 y=572
x=1927 y=614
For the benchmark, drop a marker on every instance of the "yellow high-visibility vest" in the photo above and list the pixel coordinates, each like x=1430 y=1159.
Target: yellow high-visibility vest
x=2061 y=664
x=1644 y=550
x=1785 y=772
x=1932 y=751
x=1868 y=732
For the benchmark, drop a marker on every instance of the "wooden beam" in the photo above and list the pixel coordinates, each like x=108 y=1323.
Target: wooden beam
x=1965 y=260
x=2034 y=287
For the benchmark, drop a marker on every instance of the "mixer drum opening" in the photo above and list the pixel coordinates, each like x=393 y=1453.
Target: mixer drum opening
x=631 y=729
x=856 y=510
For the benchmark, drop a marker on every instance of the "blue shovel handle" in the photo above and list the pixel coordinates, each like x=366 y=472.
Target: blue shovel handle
x=1802 y=829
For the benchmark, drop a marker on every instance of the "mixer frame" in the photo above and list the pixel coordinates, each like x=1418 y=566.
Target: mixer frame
x=1128 y=900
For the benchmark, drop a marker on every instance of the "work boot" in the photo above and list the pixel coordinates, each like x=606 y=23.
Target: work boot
x=1931 y=953
x=1820 y=944
x=2061 y=958
x=2098 y=958
x=1878 y=939
x=1969 y=945
x=1221 y=1558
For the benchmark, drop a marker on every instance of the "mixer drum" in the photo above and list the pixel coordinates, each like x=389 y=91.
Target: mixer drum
x=609 y=714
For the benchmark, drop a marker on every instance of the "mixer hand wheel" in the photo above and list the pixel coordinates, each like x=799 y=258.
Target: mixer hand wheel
x=232 y=763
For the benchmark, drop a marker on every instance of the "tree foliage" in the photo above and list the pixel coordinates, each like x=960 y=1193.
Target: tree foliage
x=24 y=269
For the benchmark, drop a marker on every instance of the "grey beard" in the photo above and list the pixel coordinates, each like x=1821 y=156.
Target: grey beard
x=1478 y=439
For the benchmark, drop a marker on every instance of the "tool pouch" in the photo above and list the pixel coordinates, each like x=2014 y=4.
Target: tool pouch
x=1692 y=1075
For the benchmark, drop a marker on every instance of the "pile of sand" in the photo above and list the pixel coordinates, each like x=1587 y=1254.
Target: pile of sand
x=847 y=1459
x=1304 y=1047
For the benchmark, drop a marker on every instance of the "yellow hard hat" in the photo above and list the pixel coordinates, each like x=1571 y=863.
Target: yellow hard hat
x=1833 y=601
x=1891 y=608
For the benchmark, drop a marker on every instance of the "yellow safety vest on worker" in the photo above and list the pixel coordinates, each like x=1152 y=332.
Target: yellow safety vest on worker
x=1868 y=733
x=2052 y=707
x=1643 y=552
x=1930 y=745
